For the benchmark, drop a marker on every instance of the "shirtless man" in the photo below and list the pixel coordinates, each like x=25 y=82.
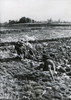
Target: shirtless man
x=48 y=65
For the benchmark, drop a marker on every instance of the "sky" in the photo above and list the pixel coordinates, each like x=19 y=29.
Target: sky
x=39 y=10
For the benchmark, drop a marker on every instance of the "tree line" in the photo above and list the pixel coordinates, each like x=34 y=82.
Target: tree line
x=22 y=20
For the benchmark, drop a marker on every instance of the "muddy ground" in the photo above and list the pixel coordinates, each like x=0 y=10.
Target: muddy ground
x=20 y=81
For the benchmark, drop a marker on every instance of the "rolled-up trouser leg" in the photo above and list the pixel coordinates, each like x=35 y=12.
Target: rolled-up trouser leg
x=50 y=71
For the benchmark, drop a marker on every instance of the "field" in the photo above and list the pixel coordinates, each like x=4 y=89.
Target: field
x=19 y=80
x=39 y=33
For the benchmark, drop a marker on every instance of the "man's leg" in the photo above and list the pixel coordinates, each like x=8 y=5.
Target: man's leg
x=50 y=71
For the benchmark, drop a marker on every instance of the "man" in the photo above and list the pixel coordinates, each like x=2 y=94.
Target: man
x=18 y=48
x=48 y=64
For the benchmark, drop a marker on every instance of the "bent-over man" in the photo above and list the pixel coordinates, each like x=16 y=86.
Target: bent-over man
x=49 y=65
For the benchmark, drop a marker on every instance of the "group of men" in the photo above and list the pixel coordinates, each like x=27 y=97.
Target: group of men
x=25 y=50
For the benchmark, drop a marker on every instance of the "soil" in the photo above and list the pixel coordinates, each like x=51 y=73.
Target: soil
x=19 y=80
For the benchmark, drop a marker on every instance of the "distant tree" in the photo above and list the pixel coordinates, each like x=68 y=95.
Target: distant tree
x=33 y=21
x=26 y=20
x=23 y=20
x=13 y=22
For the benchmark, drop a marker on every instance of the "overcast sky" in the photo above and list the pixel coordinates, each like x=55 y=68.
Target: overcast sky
x=35 y=9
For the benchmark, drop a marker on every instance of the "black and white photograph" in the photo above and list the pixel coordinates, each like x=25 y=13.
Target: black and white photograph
x=35 y=49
